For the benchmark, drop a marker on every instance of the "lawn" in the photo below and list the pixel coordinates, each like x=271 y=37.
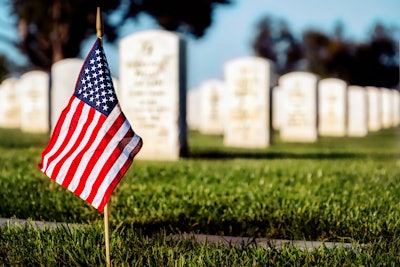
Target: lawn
x=337 y=189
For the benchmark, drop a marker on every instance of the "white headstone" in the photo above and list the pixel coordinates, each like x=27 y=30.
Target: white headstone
x=357 y=111
x=277 y=105
x=374 y=108
x=9 y=104
x=152 y=84
x=387 y=108
x=332 y=103
x=193 y=108
x=299 y=108
x=211 y=107
x=248 y=82
x=396 y=107
x=33 y=87
x=64 y=74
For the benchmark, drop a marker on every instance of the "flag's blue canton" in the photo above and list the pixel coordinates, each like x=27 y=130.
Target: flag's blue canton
x=95 y=86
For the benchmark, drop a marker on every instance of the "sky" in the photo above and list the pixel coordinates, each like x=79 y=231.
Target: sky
x=233 y=29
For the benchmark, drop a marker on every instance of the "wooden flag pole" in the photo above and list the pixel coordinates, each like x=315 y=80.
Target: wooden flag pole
x=107 y=236
x=99 y=32
x=99 y=23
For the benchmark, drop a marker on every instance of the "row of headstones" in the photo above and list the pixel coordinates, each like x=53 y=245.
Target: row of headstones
x=25 y=102
x=301 y=107
x=151 y=90
x=152 y=93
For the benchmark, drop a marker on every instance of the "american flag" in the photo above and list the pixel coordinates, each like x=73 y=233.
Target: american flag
x=93 y=144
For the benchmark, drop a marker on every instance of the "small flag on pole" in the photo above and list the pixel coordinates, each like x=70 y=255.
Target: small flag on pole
x=93 y=144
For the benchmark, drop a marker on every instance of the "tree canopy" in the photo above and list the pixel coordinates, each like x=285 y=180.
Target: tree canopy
x=51 y=30
x=276 y=42
x=373 y=62
x=4 y=71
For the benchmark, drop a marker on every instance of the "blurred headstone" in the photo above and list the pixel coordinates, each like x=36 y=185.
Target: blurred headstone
x=277 y=106
x=64 y=74
x=152 y=86
x=332 y=107
x=357 y=111
x=10 y=108
x=299 y=107
x=211 y=107
x=374 y=108
x=193 y=108
x=396 y=107
x=33 y=88
x=116 y=87
x=248 y=82
x=387 y=108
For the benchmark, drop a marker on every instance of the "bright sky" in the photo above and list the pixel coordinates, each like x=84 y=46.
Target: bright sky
x=232 y=31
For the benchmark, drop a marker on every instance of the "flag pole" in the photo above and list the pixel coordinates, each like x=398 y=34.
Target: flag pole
x=107 y=236
x=99 y=32
x=99 y=23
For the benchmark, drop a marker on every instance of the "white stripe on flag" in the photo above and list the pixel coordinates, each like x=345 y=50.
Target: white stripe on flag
x=67 y=163
x=115 y=169
x=104 y=158
x=70 y=144
x=92 y=149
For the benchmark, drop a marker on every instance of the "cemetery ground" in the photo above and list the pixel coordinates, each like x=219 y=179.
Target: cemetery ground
x=335 y=190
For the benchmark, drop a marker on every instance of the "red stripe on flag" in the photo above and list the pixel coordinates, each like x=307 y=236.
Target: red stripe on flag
x=119 y=176
x=71 y=127
x=78 y=158
x=111 y=161
x=76 y=142
x=56 y=131
x=108 y=136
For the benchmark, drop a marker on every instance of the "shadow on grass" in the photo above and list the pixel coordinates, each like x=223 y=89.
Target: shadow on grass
x=312 y=228
x=215 y=154
x=16 y=139
x=218 y=154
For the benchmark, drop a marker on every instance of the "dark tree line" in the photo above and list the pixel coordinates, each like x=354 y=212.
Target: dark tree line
x=373 y=62
x=4 y=66
x=51 y=30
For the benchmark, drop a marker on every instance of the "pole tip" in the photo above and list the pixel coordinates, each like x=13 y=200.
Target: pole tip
x=99 y=23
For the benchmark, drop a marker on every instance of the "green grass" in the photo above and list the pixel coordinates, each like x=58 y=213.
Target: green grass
x=338 y=189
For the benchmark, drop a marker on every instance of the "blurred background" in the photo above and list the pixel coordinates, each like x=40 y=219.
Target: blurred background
x=357 y=41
